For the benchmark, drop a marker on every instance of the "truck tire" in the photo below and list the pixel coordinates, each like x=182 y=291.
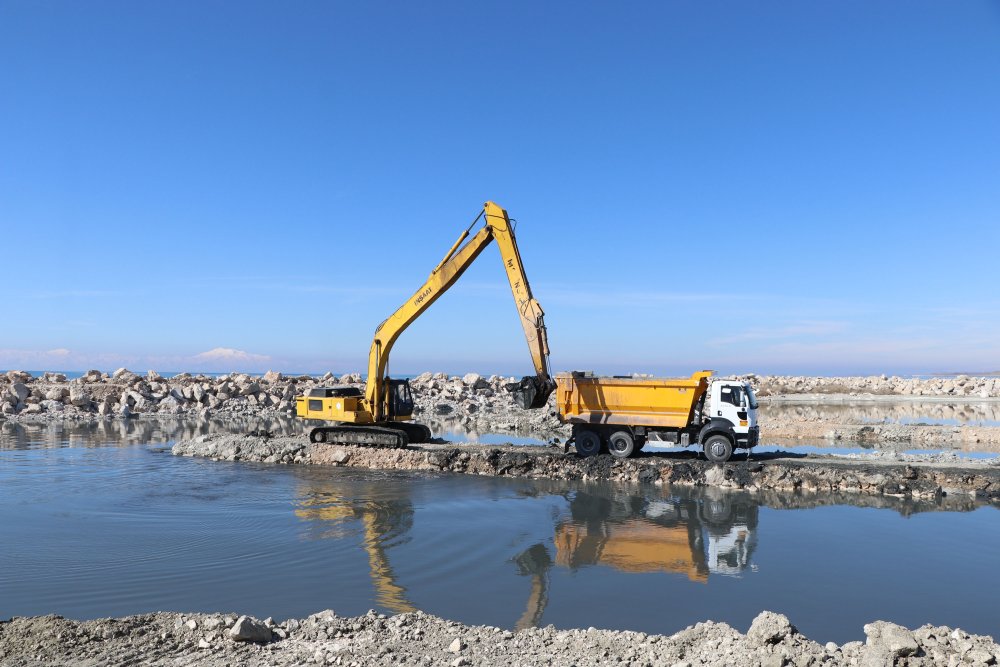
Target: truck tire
x=588 y=443
x=718 y=449
x=621 y=444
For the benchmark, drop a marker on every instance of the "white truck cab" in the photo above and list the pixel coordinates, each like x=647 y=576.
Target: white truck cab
x=729 y=419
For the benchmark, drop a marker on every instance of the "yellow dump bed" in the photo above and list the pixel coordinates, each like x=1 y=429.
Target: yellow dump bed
x=655 y=402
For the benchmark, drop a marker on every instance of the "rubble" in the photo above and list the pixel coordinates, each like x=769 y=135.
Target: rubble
x=420 y=639
x=893 y=474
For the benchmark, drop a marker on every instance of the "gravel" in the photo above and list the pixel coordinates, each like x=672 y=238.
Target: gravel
x=420 y=639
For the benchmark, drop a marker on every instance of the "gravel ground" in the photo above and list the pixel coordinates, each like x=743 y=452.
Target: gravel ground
x=420 y=639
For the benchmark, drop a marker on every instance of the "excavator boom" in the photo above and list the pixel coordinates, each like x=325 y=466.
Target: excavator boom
x=532 y=391
x=386 y=404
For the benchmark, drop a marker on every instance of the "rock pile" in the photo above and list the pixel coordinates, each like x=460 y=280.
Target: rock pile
x=472 y=401
x=960 y=386
x=420 y=639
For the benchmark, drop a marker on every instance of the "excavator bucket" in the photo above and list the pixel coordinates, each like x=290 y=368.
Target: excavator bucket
x=532 y=392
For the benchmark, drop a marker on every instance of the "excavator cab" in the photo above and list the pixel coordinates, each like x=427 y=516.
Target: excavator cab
x=400 y=399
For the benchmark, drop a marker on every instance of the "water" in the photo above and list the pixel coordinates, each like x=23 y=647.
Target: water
x=94 y=529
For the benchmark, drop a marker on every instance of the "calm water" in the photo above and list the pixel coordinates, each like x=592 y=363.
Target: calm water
x=98 y=525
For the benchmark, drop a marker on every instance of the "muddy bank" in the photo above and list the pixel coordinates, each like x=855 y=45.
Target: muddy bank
x=927 y=477
x=421 y=639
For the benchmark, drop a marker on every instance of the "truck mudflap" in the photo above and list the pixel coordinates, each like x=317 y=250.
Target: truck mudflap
x=750 y=439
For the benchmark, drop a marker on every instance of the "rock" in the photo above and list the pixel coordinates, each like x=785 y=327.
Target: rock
x=202 y=644
x=79 y=396
x=458 y=662
x=475 y=381
x=272 y=377
x=192 y=624
x=92 y=376
x=56 y=393
x=52 y=406
x=18 y=391
x=895 y=639
x=456 y=646
x=247 y=629
x=250 y=388
x=340 y=455
x=19 y=376
x=770 y=628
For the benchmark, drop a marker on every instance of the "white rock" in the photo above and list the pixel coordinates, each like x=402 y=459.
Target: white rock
x=247 y=629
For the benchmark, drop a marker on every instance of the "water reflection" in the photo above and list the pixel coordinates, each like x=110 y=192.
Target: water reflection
x=15 y=435
x=385 y=523
x=685 y=534
x=986 y=413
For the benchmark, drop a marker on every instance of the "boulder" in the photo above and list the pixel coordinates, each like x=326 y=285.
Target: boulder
x=248 y=629
x=769 y=628
x=249 y=388
x=475 y=381
x=272 y=377
x=56 y=393
x=79 y=396
x=153 y=376
x=19 y=376
x=890 y=638
x=52 y=406
x=18 y=391
x=92 y=376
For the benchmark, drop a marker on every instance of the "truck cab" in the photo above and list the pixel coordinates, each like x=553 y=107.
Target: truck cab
x=730 y=419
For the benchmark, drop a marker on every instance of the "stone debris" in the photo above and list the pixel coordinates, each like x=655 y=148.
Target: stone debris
x=889 y=475
x=475 y=404
x=249 y=629
x=416 y=638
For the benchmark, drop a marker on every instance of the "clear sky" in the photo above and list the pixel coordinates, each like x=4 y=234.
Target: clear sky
x=805 y=187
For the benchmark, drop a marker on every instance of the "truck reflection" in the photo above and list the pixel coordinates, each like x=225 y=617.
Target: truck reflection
x=695 y=536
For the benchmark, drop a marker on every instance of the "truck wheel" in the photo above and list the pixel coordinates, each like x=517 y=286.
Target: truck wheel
x=588 y=443
x=718 y=449
x=621 y=445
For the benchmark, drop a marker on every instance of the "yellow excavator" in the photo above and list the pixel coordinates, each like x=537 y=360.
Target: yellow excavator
x=382 y=414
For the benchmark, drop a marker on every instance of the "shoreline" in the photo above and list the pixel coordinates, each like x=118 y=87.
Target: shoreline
x=416 y=638
x=908 y=476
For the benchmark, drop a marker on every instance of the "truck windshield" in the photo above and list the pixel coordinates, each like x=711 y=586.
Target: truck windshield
x=751 y=399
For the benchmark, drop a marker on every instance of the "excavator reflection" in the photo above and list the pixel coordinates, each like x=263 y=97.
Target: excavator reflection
x=694 y=534
x=385 y=523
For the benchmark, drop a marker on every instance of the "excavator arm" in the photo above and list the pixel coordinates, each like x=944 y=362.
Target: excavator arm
x=531 y=391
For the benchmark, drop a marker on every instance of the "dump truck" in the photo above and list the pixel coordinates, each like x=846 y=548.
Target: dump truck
x=620 y=414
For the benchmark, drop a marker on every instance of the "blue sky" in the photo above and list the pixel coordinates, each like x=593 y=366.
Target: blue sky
x=804 y=187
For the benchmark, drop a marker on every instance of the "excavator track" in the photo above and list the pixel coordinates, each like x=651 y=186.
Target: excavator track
x=393 y=436
x=363 y=436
